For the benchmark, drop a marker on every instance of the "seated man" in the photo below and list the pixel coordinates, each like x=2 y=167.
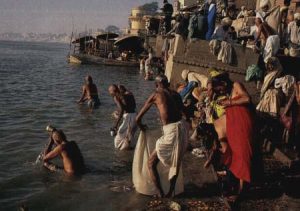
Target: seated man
x=171 y=146
x=73 y=163
x=126 y=110
x=89 y=93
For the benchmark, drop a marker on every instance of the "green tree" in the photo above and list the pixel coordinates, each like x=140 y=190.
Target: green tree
x=113 y=29
x=150 y=7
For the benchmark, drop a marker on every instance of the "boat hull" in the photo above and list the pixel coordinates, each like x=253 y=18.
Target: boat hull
x=96 y=60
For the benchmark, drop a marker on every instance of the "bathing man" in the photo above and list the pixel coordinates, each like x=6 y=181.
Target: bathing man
x=73 y=163
x=89 y=93
x=126 y=110
x=171 y=146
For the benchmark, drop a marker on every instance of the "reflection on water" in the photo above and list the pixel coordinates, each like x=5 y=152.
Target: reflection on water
x=39 y=88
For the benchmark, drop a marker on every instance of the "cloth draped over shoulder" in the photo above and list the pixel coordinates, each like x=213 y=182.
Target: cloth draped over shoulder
x=140 y=173
x=126 y=132
x=286 y=83
x=222 y=49
x=270 y=98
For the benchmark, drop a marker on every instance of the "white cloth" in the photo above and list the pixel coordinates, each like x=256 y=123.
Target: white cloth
x=202 y=80
x=285 y=83
x=269 y=79
x=171 y=146
x=225 y=53
x=140 y=173
x=126 y=131
x=270 y=103
x=272 y=47
x=294 y=33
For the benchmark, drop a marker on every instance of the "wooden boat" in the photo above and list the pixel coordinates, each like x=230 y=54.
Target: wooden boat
x=74 y=60
x=97 y=50
x=97 y=60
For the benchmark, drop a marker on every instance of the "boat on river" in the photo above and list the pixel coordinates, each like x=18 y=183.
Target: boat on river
x=107 y=49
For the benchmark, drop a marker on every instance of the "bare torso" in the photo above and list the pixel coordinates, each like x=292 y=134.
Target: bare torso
x=91 y=91
x=168 y=106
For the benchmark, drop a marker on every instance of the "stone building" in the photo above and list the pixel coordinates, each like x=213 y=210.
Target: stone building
x=137 y=23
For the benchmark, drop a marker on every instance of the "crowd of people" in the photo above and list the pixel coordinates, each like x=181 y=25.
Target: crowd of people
x=214 y=109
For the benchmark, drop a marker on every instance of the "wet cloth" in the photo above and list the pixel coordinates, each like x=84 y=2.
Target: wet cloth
x=93 y=103
x=294 y=39
x=239 y=128
x=171 y=146
x=286 y=83
x=140 y=173
x=186 y=92
x=270 y=98
x=225 y=54
x=270 y=103
x=253 y=73
x=126 y=132
x=272 y=47
x=215 y=46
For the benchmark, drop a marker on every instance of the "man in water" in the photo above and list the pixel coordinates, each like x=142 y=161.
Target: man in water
x=126 y=110
x=89 y=93
x=73 y=163
x=171 y=146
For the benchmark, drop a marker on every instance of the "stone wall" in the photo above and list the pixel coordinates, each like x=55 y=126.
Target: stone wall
x=196 y=56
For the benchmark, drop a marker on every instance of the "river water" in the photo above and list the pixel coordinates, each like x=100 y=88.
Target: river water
x=38 y=87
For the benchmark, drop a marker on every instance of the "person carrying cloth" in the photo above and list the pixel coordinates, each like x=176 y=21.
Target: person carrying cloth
x=170 y=148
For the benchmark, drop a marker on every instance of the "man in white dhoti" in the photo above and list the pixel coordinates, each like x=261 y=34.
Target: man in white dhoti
x=126 y=110
x=171 y=146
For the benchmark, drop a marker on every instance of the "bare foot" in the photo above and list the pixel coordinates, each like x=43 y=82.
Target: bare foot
x=221 y=173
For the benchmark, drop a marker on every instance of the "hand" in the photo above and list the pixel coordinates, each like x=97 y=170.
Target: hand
x=225 y=103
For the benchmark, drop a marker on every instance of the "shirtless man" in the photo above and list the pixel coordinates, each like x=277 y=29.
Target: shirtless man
x=170 y=107
x=89 y=93
x=126 y=110
x=73 y=163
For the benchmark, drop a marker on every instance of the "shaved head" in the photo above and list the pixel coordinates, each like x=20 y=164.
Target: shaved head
x=113 y=89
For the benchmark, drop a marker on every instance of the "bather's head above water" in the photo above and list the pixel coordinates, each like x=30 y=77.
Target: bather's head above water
x=59 y=137
x=88 y=80
x=113 y=90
